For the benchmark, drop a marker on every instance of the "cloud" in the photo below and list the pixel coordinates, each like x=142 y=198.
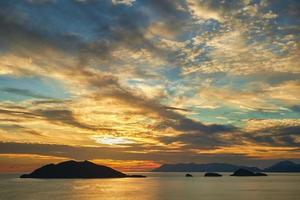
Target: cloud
x=62 y=116
x=295 y=108
x=200 y=11
x=14 y=128
x=274 y=132
x=112 y=140
x=174 y=108
x=255 y=95
x=126 y=2
x=24 y=92
x=150 y=80
x=286 y=92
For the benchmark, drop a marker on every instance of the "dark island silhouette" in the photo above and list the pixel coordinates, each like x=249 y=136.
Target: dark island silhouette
x=73 y=169
x=210 y=167
x=212 y=174
x=245 y=172
x=283 y=166
x=188 y=175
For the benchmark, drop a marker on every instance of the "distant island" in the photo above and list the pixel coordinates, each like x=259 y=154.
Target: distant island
x=212 y=174
x=245 y=172
x=188 y=175
x=283 y=166
x=210 y=167
x=74 y=169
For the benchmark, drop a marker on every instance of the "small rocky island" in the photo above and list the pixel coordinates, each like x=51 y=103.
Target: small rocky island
x=188 y=175
x=211 y=174
x=74 y=169
x=245 y=172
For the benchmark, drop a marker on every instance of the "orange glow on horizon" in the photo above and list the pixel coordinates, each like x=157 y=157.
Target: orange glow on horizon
x=15 y=163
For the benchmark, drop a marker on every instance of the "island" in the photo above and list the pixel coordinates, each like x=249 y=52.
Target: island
x=74 y=169
x=208 y=167
x=212 y=174
x=245 y=172
x=284 y=166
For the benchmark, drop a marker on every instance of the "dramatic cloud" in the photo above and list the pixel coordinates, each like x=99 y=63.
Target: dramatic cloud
x=274 y=132
x=149 y=80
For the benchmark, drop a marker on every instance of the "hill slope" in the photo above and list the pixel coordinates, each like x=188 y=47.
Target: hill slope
x=284 y=166
x=74 y=169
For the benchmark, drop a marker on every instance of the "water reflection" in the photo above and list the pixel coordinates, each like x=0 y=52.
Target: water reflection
x=158 y=186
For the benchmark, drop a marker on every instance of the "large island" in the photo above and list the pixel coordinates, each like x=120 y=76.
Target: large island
x=245 y=172
x=74 y=169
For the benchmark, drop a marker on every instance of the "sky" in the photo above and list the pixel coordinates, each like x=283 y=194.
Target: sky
x=134 y=84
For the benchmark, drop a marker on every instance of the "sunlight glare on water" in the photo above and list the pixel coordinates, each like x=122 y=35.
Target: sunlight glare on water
x=157 y=186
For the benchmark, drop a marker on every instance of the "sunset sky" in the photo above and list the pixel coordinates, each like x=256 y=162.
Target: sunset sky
x=133 y=84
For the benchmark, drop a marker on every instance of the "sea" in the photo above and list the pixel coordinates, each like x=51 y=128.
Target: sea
x=157 y=186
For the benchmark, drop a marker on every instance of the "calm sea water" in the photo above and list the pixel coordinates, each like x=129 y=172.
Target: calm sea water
x=157 y=186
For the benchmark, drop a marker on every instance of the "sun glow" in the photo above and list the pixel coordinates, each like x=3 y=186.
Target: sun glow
x=110 y=140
